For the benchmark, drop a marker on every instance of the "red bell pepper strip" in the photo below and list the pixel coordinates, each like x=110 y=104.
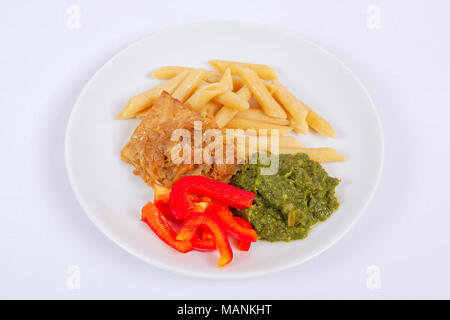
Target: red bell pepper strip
x=203 y=244
x=243 y=245
x=161 y=201
x=206 y=234
x=194 y=221
x=203 y=240
x=164 y=207
x=199 y=198
x=182 y=205
x=232 y=227
x=159 y=224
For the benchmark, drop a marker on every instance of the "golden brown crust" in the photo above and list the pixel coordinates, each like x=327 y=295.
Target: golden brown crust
x=149 y=148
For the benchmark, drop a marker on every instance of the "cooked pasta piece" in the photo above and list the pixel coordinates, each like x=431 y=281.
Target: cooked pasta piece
x=227 y=80
x=204 y=95
x=263 y=71
x=259 y=115
x=293 y=106
x=260 y=92
x=189 y=84
x=169 y=72
x=210 y=108
x=319 y=124
x=225 y=114
x=264 y=142
x=145 y=100
x=232 y=100
x=300 y=128
x=237 y=80
x=237 y=123
x=316 y=154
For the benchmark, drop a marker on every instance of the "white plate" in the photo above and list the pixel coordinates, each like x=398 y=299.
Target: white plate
x=112 y=196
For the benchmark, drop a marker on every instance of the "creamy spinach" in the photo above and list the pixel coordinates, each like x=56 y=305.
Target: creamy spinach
x=290 y=202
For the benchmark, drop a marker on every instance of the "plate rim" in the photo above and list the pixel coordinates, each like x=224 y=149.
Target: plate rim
x=179 y=270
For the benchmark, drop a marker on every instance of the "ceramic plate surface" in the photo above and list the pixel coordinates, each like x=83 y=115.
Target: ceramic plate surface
x=112 y=196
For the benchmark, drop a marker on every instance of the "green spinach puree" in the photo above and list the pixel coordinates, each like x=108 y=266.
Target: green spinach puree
x=290 y=202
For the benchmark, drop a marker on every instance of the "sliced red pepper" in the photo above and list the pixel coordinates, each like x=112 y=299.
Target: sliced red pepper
x=199 y=198
x=244 y=245
x=203 y=244
x=232 y=227
x=196 y=220
x=161 y=201
x=164 y=207
x=206 y=234
x=203 y=240
x=159 y=224
x=181 y=202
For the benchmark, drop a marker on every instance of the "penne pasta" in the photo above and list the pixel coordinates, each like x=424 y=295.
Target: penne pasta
x=244 y=93
x=264 y=143
x=237 y=123
x=232 y=100
x=316 y=154
x=145 y=100
x=227 y=80
x=300 y=128
x=172 y=71
x=142 y=114
x=284 y=130
x=259 y=102
x=270 y=87
x=210 y=108
x=204 y=95
x=319 y=124
x=254 y=103
x=225 y=114
x=293 y=106
x=263 y=71
x=259 y=115
x=260 y=92
x=201 y=84
x=189 y=84
x=237 y=80
x=290 y=142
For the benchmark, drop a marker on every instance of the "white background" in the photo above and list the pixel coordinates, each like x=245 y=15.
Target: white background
x=404 y=65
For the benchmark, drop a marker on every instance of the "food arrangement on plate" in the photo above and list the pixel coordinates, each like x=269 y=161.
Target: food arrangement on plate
x=215 y=146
